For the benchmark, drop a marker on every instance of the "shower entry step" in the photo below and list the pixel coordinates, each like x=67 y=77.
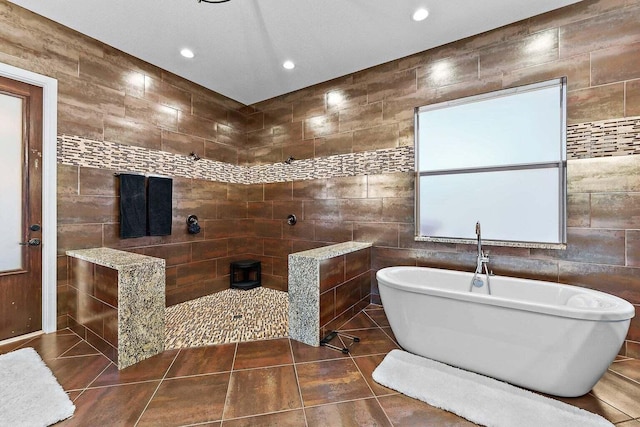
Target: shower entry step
x=245 y=274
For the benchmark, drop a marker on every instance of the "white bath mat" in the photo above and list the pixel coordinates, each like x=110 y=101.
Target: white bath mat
x=477 y=398
x=29 y=393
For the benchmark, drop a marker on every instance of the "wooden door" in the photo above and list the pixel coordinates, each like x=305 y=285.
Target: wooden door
x=20 y=208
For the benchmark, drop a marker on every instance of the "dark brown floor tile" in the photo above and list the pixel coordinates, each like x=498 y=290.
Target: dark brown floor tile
x=83 y=348
x=261 y=391
x=372 y=341
x=73 y=395
x=50 y=346
x=6 y=348
x=203 y=360
x=331 y=381
x=379 y=317
x=65 y=331
x=363 y=412
x=404 y=411
x=119 y=405
x=260 y=354
x=590 y=403
x=308 y=353
x=629 y=368
x=619 y=392
x=280 y=419
x=77 y=372
x=390 y=334
x=367 y=364
x=632 y=423
x=188 y=400
x=153 y=368
x=359 y=321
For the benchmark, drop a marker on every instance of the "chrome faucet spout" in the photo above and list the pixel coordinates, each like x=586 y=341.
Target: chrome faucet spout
x=479 y=236
x=482 y=263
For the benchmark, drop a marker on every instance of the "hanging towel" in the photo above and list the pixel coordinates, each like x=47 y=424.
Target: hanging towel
x=159 y=194
x=133 y=206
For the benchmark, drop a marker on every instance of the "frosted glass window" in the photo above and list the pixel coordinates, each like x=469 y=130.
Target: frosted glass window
x=11 y=226
x=502 y=207
x=497 y=158
x=518 y=129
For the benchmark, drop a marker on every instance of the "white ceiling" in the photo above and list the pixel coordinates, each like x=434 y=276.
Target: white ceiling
x=240 y=45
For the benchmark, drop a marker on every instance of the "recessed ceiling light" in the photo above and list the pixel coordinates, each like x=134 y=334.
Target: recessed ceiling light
x=289 y=65
x=187 y=53
x=420 y=15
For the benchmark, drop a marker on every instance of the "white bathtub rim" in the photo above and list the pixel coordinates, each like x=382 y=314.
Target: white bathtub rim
x=621 y=310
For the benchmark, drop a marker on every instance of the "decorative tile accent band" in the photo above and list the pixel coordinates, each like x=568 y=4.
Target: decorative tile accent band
x=377 y=162
x=584 y=140
x=77 y=151
x=605 y=138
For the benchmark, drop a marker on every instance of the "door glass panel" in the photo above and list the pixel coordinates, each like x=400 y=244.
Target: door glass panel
x=11 y=160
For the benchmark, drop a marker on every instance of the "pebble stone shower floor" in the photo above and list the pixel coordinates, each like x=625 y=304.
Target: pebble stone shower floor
x=232 y=315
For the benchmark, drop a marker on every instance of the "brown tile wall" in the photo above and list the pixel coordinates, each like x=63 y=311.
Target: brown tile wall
x=94 y=314
x=197 y=264
x=594 y=43
x=345 y=288
x=107 y=95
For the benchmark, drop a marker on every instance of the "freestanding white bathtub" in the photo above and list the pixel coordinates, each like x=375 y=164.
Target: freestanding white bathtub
x=553 y=338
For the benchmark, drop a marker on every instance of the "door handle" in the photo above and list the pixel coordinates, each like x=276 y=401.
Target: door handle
x=31 y=242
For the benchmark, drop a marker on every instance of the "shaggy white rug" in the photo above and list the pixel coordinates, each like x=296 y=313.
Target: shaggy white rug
x=29 y=393
x=477 y=398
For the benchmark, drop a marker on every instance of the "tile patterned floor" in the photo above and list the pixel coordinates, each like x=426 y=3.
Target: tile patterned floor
x=259 y=313
x=277 y=382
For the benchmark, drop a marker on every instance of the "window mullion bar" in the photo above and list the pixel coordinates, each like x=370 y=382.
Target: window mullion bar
x=524 y=166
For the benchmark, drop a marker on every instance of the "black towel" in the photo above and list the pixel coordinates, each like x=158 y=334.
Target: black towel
x=159 y=193
x=133 y=206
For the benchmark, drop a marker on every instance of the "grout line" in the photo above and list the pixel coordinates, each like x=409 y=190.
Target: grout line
x=624 y=376
x=101 y=372
x=244 y=417
x=382 y=330
x=601 y=403
x=227 y=395
x=157 y=388
x=263 y=367
x=117 y=384
x=180 y=377
x=62 y=356
x=345 y=401
x=371 y=318
x=295 y=371
x=375 y=396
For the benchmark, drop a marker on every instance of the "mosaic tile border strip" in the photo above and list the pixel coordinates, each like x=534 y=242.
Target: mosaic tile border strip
x=77 y=151
x=604 y=138
x=377 y=162
x=584 y=140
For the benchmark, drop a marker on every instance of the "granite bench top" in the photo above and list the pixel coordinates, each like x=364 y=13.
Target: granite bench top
x=331 y=251
x=113 y=258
